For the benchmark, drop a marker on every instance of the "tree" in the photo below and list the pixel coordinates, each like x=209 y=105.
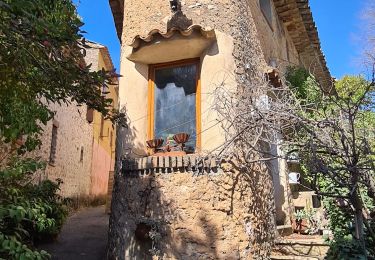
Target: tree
x=331 y=129
x=42 y=52
x=41 y=61
x=335 y=141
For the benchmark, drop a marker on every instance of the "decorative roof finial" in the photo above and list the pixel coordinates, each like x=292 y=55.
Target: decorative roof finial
x=175 y=5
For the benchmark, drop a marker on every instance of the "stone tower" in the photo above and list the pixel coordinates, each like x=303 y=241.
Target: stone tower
x=174 y=54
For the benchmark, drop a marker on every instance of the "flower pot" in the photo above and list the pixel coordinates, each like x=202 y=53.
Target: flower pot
x=299 y=225
x=181 y=139
x=155 y=143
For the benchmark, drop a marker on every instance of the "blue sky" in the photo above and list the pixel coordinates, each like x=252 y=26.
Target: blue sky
x=338 y=22
x=340 y=30
x=99 y=25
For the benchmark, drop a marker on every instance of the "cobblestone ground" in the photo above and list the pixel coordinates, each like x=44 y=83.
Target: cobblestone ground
x=84 y=236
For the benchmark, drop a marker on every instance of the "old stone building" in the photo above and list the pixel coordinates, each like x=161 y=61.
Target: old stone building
x=79 y=143
x=174 y=54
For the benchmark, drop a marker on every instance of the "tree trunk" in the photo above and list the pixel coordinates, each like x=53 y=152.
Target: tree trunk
x=358 y=218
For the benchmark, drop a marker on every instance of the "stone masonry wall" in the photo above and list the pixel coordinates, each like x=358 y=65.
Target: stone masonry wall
x=198 y=215
x=73 y=134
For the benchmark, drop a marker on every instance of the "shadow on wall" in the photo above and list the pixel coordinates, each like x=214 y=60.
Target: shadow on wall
x=143 y=210
x=253 y=185
x=228 y=215
x=184 y=215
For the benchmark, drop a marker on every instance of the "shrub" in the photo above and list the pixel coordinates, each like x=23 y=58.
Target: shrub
x=29 y=212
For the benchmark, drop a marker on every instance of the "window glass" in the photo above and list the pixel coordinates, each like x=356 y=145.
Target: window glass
x=175 y=103
x=265 y=6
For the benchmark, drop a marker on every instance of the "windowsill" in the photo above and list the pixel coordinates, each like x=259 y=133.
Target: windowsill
x=171 y=153
x=170 y=163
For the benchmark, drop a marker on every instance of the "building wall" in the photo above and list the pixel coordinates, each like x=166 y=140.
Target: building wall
x=89 y=176
x=217 y=68
x=179 y=201
x=275 y=40
x=104 y=138
x=198 y=216
x=73 y=134
x=221 y=216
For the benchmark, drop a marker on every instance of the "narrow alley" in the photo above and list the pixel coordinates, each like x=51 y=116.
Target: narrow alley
x=84 y=236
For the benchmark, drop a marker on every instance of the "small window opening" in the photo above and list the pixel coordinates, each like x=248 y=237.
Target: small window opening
x=81 y=155
x=102 y=126
x=52 y=155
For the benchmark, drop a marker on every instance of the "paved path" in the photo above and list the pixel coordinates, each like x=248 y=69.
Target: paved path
x=84 y=236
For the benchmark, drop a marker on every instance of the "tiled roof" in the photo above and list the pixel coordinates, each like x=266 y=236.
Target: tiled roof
x=104 y=49
x=117 y=7
x=205 y=32
x=297 y=17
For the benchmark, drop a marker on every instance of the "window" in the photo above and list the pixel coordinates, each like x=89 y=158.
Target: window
x=101 y=133
x=81 y=155
x=52 y=154
x=266 y=7
x=174 y=100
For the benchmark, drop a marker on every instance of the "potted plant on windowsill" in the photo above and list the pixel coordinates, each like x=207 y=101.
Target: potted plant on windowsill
x=155 y=144
x=181 y=139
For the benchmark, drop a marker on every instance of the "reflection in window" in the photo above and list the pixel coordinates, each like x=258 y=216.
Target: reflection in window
x=175 y=103
x=265 y=6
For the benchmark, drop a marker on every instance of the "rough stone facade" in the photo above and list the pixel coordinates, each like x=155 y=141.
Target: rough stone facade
x=199 y=216
x=73 y=134
x=83 y=158
x=224 y=214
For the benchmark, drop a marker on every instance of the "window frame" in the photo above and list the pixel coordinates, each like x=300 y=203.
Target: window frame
x=151 y=96
x=53 y=144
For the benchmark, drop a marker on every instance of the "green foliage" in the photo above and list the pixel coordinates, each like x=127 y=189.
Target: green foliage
x=41 y=62
x=353 y=89
x=310 y=215
x=28 y=212
x=303 y=85
x=345 y=248
x=336 y=147
x=340 y=218
x=42 y=52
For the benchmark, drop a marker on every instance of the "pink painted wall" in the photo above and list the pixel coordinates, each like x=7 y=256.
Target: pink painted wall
x=101 y=165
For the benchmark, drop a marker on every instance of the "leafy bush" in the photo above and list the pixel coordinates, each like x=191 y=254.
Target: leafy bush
x=345 y=248
x=29 y=212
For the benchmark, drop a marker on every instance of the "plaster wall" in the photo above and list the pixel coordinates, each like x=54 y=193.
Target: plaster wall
x=104 y=135
x=217 y=68
x=101 y=165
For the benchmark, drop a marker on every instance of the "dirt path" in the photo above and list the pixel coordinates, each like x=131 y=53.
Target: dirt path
x=84 y=236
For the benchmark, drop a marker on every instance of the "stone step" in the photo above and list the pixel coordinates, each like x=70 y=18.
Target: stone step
x=292 y=248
